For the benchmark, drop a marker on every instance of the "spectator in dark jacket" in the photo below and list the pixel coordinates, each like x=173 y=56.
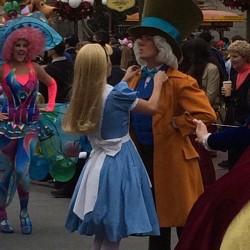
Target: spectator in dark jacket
x=61 y=70
x=117 y=72
x=70 y=43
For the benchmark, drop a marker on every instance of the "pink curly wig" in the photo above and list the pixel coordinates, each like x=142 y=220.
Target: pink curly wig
x=34 y=37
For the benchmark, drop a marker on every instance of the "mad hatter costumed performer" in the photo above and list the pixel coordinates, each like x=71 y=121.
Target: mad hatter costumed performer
x=163 y=141
x=22 y=39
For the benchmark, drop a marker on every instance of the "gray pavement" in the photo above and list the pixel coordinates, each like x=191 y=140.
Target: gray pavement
x=48 y=216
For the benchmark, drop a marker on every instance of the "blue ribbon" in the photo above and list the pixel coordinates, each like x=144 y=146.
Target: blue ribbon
x=163 y=25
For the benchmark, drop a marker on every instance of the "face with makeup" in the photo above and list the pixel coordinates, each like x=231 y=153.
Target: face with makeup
x=20 y=50
x=147 y=50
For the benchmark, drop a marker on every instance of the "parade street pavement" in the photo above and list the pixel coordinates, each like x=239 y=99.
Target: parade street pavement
x=48 y=216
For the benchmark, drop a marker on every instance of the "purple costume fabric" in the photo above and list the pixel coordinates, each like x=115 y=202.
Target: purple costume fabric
x=216 y=208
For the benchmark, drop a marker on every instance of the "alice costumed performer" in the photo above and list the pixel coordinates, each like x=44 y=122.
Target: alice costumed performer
x=112 y=199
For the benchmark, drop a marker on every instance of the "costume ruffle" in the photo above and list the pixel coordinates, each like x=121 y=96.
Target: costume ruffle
x=14 y=130
x=123 y=203
x=56 y=152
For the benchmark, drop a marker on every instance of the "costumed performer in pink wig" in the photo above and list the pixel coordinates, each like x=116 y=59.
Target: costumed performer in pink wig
x=20 y=115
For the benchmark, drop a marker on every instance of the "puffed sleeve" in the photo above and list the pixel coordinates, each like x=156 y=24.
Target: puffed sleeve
x=123 y=96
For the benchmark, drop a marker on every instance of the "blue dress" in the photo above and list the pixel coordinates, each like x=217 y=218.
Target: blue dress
x=113 y=196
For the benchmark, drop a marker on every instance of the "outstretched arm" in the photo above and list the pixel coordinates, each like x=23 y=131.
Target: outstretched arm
x=234 y=138
x=44 y=77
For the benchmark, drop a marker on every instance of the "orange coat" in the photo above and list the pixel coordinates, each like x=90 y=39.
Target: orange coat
x=177 y=178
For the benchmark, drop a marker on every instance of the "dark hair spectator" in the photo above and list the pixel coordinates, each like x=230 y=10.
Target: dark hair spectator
x=237 y=37
x=61 y=69
x=198 y=63
x=101 y=37
x=196 y=52
x=117 y=72
x=71 y=40
x=225 y=39
x=60 y=48
x=70 y=44
x=206 y=36
x=116 y=56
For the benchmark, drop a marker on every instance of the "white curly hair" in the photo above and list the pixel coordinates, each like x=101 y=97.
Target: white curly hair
x=165 y=54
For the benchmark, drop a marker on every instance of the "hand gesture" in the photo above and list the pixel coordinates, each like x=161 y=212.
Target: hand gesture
x=131 y=72
x=160 y=77
x=201 y=130
x=226 y=89
x=223 y=91
x=4 y=116
x=46 y=109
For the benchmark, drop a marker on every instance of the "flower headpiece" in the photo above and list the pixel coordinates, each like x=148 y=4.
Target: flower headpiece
x=126 y=42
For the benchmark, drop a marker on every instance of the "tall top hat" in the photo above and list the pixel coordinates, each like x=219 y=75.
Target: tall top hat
x=172 y=19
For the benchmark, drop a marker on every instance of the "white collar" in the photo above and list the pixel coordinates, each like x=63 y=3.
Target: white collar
x=60 y=58
x=149 y=78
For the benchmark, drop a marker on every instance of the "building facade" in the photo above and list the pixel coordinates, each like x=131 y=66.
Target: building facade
x=238 y=28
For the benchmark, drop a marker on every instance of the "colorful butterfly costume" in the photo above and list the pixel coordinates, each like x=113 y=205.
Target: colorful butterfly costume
x=16 y=135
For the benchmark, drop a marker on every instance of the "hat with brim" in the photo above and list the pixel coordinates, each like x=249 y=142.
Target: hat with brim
x=173 y=19
x=149 y=26
x=34 y=20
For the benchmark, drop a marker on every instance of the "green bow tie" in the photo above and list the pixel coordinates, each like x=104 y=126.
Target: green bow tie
x=146 y=72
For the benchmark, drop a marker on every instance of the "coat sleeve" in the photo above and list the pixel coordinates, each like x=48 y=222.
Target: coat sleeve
x=191 y=103
x=230 y=139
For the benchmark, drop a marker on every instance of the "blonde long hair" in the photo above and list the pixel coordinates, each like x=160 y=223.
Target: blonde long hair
x=90 y=73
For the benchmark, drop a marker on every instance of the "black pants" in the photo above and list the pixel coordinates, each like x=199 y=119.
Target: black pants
x=147 y=154
x=163 y=242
